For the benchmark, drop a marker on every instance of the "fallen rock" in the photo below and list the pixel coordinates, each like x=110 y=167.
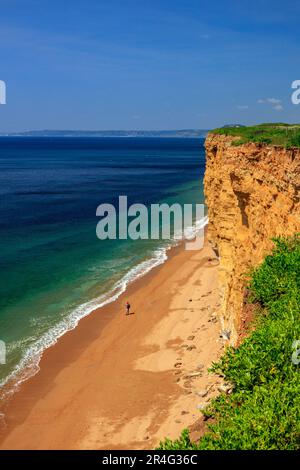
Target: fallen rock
x=225 y=334
x=225 y=388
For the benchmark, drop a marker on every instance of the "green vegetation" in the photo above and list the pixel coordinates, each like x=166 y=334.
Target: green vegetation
x=263 y=411
x=285 y=135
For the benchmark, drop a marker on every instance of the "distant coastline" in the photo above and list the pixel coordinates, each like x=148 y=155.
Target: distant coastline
x=187 y=133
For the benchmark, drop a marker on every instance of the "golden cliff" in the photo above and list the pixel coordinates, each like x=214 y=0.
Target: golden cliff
x=252 y=193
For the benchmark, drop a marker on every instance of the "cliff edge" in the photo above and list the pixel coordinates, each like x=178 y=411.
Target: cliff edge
x=252 y=193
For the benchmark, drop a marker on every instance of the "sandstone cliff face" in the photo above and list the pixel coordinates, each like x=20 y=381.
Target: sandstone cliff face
x=253 y=194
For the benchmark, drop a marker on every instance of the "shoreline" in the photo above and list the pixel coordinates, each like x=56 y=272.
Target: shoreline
x=96 y=385
x=29 y=364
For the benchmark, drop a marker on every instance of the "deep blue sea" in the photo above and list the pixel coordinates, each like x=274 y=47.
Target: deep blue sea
x=54 y=270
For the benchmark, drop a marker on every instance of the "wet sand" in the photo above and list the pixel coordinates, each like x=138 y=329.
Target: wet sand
x=127 y=381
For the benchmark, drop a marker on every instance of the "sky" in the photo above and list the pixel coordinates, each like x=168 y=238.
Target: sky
x=141 y=64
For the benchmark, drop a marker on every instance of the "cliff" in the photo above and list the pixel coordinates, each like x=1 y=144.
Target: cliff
x=252 y=193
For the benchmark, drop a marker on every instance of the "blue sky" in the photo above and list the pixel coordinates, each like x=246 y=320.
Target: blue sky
x=137 y=64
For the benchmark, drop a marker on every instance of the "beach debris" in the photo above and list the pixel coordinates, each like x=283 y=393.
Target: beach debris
x=190 y=300
x=185 y=412
x=202 y=393
x=190 y=338
x=184 y=346
x=191 y=347
x=225 y=334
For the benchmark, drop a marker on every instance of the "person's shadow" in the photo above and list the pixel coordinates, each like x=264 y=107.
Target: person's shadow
x=130 y=313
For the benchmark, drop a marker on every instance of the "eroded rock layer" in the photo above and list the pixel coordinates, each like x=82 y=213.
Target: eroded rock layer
x=252 y=193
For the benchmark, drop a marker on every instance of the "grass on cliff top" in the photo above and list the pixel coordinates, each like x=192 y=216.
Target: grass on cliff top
x=263 y=411
x=284 y=135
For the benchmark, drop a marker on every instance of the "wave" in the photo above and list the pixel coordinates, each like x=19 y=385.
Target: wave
x=29 y=364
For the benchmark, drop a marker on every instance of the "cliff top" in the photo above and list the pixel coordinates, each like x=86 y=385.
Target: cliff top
x=284 y=135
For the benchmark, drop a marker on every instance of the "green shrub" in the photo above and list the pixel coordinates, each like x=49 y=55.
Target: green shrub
x=286 y=135
x=263 y=411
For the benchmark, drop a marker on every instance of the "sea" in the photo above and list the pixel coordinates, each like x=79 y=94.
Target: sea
x=54 y=269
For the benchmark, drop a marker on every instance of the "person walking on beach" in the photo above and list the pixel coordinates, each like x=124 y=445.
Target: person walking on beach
x=127 y=305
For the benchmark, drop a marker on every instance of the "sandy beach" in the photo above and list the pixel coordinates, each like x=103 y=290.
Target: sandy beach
x=126 y=382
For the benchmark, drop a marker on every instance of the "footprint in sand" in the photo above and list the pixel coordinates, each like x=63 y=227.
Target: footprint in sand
x=178 y=364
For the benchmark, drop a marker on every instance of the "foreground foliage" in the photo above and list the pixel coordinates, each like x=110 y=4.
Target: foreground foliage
x=286 y=135
x=263 y=411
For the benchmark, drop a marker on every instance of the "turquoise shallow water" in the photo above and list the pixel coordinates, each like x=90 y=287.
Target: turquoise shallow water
x=54 y=270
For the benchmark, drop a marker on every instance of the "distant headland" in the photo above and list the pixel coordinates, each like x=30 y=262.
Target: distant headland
x=109 y=133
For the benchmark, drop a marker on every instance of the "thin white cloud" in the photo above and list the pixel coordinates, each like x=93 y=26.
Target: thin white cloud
x=275 y=103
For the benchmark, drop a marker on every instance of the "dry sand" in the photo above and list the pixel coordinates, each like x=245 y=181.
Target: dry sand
x=123 y=382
